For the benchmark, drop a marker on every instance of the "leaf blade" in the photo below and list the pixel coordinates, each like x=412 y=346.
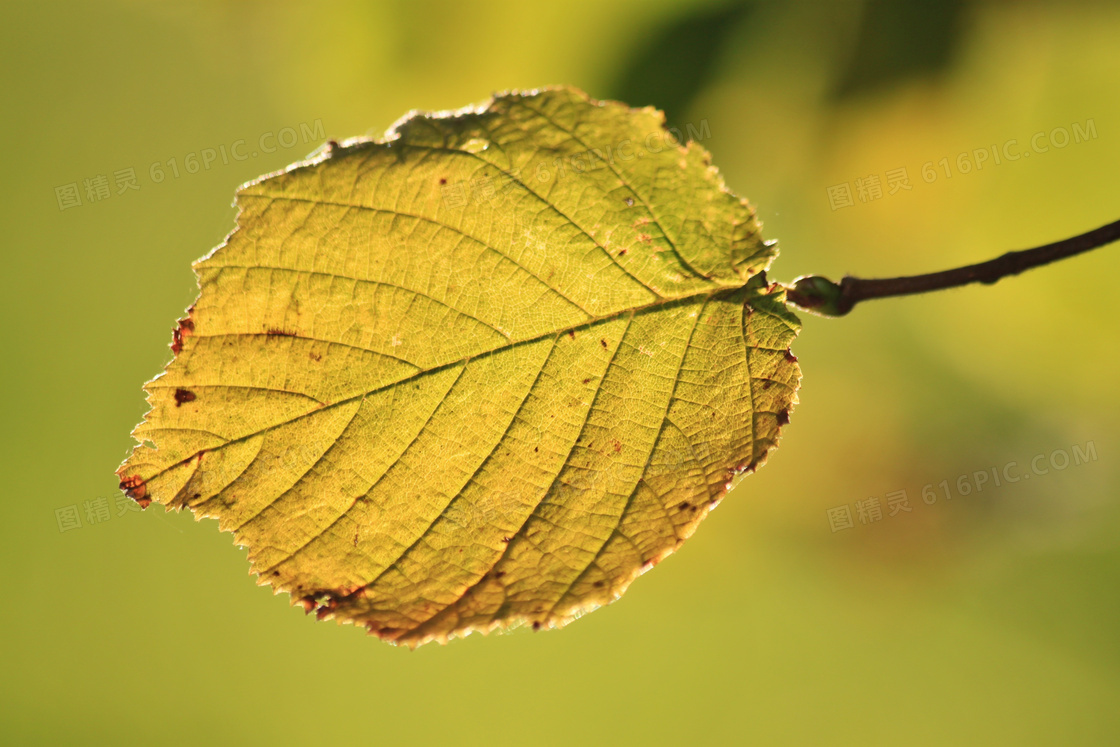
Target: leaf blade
x=371 y=373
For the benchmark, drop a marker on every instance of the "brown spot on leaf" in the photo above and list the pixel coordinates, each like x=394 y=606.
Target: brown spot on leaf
x=603 y=343
x=644 y=237
x=783 y=417
x=536 y=625
x=622 y=253
x=572 y=333
x=442 y=180
x=629 y=202
x=315 y=357
x=279 y=332
x=736 y=471
x=181 y=332
x=385 y=634
x=134 y=487
x=617 y=447
x=586 y=381
x=790 y=356
x=184 y=395
x=767 y=384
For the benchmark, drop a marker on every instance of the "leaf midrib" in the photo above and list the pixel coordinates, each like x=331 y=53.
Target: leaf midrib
x=634 y=311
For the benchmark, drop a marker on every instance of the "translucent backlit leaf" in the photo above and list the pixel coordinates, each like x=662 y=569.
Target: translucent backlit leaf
x=483 y=372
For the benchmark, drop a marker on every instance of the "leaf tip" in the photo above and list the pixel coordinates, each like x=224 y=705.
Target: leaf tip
x=135 y=488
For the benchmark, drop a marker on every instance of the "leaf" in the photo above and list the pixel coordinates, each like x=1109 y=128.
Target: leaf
x=482 y=373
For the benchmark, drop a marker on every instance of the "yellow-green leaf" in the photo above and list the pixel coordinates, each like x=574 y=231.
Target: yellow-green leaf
x=481 y=373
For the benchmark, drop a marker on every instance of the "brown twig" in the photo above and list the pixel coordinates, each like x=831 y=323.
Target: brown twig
x=821 y=295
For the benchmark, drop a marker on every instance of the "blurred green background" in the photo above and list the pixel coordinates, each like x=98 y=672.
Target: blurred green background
x=987 y=618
